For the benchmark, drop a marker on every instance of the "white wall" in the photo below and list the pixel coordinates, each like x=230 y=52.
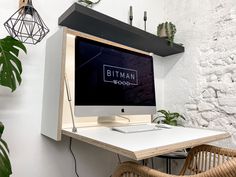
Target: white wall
x=201 y=82
x=31 y=153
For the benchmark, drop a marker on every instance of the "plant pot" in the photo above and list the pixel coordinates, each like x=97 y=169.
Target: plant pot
x=167 y=30
x=163 y=33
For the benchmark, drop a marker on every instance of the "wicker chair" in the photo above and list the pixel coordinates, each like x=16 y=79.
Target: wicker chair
x=202 y=161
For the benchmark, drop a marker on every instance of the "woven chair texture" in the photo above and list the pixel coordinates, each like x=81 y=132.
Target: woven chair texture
x=202 y=161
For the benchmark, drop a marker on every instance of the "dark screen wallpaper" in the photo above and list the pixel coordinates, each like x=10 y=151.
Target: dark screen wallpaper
x=108 y=75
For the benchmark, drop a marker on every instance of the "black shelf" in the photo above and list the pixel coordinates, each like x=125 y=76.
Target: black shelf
x=89 y=21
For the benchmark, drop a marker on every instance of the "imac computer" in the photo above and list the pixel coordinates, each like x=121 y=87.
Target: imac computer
x=111 y=81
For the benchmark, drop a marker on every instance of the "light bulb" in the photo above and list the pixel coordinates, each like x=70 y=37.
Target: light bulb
x=28 y=19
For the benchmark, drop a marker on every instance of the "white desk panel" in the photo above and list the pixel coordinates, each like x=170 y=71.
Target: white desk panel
x=145 y=144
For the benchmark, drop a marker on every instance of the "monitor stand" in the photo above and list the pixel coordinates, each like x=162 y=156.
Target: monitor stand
x=106 y=119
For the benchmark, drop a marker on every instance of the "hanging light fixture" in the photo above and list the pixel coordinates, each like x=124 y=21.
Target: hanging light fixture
x=26 y=25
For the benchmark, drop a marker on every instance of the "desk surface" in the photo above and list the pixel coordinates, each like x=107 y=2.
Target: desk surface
x=143 y=145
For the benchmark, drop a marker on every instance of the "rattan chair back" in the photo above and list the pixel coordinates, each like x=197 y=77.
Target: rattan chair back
x=202 y=161
x=205 y=157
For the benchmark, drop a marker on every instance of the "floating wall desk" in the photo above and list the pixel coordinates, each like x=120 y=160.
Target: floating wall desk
x=89 y=21
x=143 y=145
x=60 y=60
x=56 y=117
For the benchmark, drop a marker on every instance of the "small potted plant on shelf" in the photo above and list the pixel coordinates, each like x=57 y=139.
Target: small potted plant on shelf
x=167 y=30
x=167 y=117
x=88 y=3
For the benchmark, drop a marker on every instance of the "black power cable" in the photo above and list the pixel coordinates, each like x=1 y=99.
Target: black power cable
x=75 y=162
x=72 y=153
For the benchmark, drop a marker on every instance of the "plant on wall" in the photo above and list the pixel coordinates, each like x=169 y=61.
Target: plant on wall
x=167 y=30
x=10 y=65
x=89 y=3
x=5 y=165
x=167 y=117
x=10 y=76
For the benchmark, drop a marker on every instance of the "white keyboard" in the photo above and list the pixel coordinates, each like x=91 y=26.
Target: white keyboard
x=136 y=128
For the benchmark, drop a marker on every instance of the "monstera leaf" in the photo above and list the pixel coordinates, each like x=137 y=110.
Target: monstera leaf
x=10 y=65
x=5 y=165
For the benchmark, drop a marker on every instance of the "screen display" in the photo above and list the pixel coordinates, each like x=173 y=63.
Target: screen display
x=110 y=76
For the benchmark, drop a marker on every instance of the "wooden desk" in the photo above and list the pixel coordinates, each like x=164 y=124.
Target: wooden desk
x=143 y=145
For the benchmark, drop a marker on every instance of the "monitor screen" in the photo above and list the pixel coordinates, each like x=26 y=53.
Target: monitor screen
x=106 y=76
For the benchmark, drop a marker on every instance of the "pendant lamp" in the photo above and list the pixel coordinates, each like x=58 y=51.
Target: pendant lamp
x=26 y=25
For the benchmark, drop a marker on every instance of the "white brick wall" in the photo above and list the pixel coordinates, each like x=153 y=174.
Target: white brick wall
x=208 y=30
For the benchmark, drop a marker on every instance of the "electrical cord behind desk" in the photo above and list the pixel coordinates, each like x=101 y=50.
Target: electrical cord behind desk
x=72 y=153
x=75 y=161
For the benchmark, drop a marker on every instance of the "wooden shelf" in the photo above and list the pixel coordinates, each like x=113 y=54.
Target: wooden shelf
x=86 y=20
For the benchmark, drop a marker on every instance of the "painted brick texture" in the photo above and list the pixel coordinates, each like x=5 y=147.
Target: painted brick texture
x=209 y=30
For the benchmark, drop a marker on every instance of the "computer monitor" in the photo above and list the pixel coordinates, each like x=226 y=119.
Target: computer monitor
x=110 y=80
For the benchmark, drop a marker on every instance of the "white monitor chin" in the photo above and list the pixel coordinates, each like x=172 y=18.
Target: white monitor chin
x=109 y=111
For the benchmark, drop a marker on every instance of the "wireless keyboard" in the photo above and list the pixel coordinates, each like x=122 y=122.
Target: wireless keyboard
x=136 y=128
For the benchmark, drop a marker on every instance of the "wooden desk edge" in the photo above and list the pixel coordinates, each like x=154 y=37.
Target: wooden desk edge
x=100 y=144
x=147 y=153
x=178 y=146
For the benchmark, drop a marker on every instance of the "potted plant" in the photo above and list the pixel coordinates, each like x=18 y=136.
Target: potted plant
x=167 y=117
x=88 y=3
x=10 y=76
x=167 y=30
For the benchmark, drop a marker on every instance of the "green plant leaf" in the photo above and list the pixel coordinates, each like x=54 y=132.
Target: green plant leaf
x=1 y=129
x=173 y=122
x=5 y=164
x=157 y=119
x=170 y=117
x=164 y=112
x=170 y=122
x=3 y=152
x=10 y=65
x=88 y=2
x=4 y=144
x=5 y=160
x=174 y=114
x=182 y=117
x=3 y=170
x=5 y=167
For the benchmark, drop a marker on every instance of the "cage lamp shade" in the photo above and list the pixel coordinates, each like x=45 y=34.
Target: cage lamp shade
x=26 y=25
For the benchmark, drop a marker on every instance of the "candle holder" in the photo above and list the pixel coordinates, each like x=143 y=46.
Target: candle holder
x=145 y=20
x=130 y=15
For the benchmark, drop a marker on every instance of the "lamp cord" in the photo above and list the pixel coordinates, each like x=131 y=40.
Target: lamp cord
x=72 y=153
